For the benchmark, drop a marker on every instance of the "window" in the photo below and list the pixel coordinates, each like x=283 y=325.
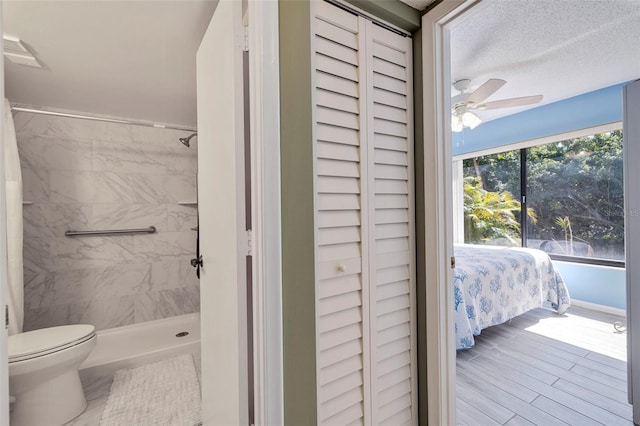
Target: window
x=491 y=199
x=572 y=192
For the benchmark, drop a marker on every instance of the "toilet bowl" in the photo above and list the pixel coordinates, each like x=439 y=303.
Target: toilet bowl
x=43 y=374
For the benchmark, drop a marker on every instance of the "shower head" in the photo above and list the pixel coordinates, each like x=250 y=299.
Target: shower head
x=185 y=141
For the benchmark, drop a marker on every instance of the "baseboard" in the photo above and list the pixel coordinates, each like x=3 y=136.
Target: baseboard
x=600 y=308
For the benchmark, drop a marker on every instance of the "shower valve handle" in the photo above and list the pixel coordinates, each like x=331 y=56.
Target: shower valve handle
x=197 y=262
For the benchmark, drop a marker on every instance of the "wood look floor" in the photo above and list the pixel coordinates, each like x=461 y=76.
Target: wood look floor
x=545 y=369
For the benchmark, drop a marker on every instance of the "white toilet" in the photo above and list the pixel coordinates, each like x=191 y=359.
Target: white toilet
x=43 y=374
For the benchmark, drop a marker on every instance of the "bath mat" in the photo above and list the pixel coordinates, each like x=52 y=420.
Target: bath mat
x=164 y=393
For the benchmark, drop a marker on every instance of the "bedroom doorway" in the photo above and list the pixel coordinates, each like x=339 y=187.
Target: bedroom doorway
x=514 y=175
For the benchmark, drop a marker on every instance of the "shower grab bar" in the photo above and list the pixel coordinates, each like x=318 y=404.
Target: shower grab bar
x=149 y=230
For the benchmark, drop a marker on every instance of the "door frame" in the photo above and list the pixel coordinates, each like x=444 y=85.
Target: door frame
x=264 y=104
x=631 y=130
x=4 y=291
x=438 y=210
x=259 y=341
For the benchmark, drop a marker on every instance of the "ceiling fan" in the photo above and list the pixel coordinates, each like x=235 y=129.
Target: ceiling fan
x=463 y=104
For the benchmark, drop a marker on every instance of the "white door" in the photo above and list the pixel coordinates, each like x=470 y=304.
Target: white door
x=365 y=241
x=222 y=218
x=631 y=131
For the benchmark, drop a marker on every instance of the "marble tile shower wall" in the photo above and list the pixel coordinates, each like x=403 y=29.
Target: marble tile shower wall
x=83 y=174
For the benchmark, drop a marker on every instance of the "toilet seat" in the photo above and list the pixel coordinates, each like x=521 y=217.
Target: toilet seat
x=37 y=343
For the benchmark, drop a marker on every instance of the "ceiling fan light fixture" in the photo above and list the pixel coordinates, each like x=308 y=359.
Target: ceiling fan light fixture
x=456 y=123
x=470 y=120
x=464 y=103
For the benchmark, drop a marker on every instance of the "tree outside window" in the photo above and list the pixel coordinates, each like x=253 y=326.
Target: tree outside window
x=574 y=197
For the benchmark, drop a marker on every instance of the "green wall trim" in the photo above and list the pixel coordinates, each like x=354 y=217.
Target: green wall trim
x=393 y=11
x=421 y=299
x=298 y=261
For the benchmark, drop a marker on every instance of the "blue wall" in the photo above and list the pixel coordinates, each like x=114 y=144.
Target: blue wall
x=602 y=285
x=595 y=284
x=580 y=112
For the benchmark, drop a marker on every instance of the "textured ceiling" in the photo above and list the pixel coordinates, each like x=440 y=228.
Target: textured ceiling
x=131 y=59
x=555 y=48
x=137 y=58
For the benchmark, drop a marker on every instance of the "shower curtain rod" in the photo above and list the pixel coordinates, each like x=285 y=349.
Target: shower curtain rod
x=96 y=118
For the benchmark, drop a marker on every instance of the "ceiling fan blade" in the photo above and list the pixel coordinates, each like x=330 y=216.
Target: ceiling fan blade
x=512 y=102
x=487 y=89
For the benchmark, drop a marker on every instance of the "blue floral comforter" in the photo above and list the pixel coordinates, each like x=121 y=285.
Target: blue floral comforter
x=495 y=284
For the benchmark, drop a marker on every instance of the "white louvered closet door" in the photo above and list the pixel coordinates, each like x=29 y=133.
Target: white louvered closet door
x=364 y=236
x=341 y=227
x=391 y=218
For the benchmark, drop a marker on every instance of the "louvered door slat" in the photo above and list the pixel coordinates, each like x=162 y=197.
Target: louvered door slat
x=338 y=219
x=338 y=168
x=393 y=304
x=338 y=185
x=342 y=366
x=338 y=286
x=397 y=413
x=341 y=335
x=392 y=230
x=338 y=202
x=352 y=414
x=336 y=50
x=338 y=135
x=389 y=98
x=334 y=66
x=392 y=158
x=389 y=84
x=388 y=365
x=351 y=315
x=389 y=69
x=393 y=289
x=390 y=113
x=343 y=384
x=391 y=245
x=392 y=392
x=399 y=258
x=336 y=101
x=388 y=54
x=336 y=253
x=398 y=375
x=393 y=319
x=385 y=186
x=331 y=236
x=342 y=302
x=342 y=401
x=388 y=171
x=394 y=348
x=329 y=13
x=392 y=143
x=391 y=201
x=390 y=275
x=392 y=216
x=390 y=128
x=336 y=34
x=336 y=84
x=338 y=118
x=336 y=357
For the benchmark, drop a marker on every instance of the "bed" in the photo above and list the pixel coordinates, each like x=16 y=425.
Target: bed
x=494 y=284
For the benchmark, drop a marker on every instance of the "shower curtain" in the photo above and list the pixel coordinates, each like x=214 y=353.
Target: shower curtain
x=13 y=178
